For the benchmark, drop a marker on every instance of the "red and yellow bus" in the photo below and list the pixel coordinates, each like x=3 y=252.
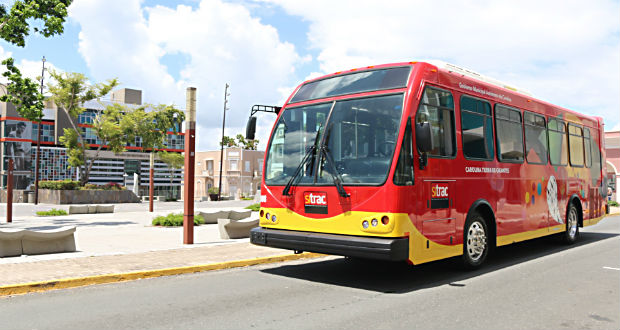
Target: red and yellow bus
x=418 y=162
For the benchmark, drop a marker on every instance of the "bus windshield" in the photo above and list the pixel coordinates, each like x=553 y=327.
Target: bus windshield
x=360 y=137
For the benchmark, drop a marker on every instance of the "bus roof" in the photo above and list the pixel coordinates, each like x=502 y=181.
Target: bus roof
x=453 y=69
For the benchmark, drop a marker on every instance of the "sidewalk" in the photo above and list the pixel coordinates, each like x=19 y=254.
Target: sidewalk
x=125 y=242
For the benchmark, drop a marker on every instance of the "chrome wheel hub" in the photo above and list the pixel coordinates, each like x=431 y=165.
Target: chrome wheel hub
x=572 y=224
x=476 y=241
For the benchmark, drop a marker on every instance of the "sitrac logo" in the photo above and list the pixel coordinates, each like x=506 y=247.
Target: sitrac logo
x=315 y=198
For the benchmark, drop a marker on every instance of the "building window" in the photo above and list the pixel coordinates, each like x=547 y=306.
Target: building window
x=233 y=165
x=247 y=166
x=477 y=128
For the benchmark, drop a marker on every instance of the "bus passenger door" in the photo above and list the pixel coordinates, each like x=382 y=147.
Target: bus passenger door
x=439 y=221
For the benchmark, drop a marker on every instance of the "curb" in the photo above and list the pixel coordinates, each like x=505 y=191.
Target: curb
x=16 y=289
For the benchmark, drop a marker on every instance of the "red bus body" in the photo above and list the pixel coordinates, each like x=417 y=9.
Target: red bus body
x=425 y=221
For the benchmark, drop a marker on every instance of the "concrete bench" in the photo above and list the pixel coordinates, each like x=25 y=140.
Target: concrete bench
x=157 y=198
x=231 y=229
x=15 y=242
x=211 y=217
x=91 y=209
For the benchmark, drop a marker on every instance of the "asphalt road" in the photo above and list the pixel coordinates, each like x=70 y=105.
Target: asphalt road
x=540 y=284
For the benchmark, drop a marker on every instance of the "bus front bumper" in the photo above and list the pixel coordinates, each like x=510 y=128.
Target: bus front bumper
x=392 y=249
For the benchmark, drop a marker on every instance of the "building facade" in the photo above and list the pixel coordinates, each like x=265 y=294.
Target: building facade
x=241 y=172
x=612 y=151
x=18 y=141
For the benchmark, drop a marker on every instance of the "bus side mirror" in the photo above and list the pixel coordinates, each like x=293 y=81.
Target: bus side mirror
x=423 y=138
x=424 y=141
x=250 y=128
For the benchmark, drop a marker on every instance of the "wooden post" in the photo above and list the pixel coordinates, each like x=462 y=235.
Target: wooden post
x=9 y=192
x=188 y=193
x=151 y=180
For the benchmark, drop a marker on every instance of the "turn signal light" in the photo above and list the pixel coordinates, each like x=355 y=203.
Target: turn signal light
x=261 y=213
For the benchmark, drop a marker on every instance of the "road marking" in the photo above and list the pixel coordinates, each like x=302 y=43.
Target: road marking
x=612 y=268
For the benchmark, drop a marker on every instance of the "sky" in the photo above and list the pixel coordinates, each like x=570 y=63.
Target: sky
x=563 y=52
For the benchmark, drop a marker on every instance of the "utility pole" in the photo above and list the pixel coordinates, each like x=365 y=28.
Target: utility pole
x=190 y=147
x=38 y=156
x=226 y=95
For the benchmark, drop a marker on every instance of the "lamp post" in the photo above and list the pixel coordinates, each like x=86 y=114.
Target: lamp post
x=37 y=157
x=226 y=95
x=190 y=139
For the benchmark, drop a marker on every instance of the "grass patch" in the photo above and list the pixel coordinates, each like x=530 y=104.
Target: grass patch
x=253 y=207
x=175 y=220
x=51 y=213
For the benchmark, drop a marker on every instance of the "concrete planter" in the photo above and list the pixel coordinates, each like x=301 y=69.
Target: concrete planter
x=48 y=196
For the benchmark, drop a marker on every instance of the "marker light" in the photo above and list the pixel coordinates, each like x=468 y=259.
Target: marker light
x=273 y=218
x=374 y=222
x=385 y=220
x=365 y=224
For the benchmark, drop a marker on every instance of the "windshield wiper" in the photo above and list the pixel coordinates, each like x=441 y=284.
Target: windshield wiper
x=310 y=154
x=334 y=172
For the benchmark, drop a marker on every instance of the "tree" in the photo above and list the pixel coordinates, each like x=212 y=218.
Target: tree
x=15 y=23
x=240 y=142
x=151 y=123
x=174 y=161
x=246 y=144
x=23 y=93
x=69 y=93
x=227 y=142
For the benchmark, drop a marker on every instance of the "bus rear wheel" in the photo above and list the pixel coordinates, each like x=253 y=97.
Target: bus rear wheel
x=572 y=225
x=475 y=241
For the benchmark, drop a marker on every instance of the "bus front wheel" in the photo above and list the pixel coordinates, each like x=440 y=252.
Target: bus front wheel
x=475 y=241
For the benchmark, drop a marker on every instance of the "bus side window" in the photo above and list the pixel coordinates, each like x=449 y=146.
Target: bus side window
x=575 y=145
x=437 y=107
x=588 y=146
x=535 y=138
x=509 y=133
x=477 y=128
x=558 y=153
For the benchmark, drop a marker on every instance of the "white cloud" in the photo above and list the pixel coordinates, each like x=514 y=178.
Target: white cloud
x=222 y=43
x=28 y=69
x=564 y=52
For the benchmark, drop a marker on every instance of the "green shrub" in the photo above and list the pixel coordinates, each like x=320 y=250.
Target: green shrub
x=613 y=203
x=213 y=190
x=52 y=212
x=253 y=207
x=59 y=185
x=175 y=220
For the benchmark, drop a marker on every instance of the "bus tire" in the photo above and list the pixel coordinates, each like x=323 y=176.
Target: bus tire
x=571 y=234
x=475 y=241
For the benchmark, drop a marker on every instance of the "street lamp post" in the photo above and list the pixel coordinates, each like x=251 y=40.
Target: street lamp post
x=36 y=161
x=190 y=147
x=226 y=95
